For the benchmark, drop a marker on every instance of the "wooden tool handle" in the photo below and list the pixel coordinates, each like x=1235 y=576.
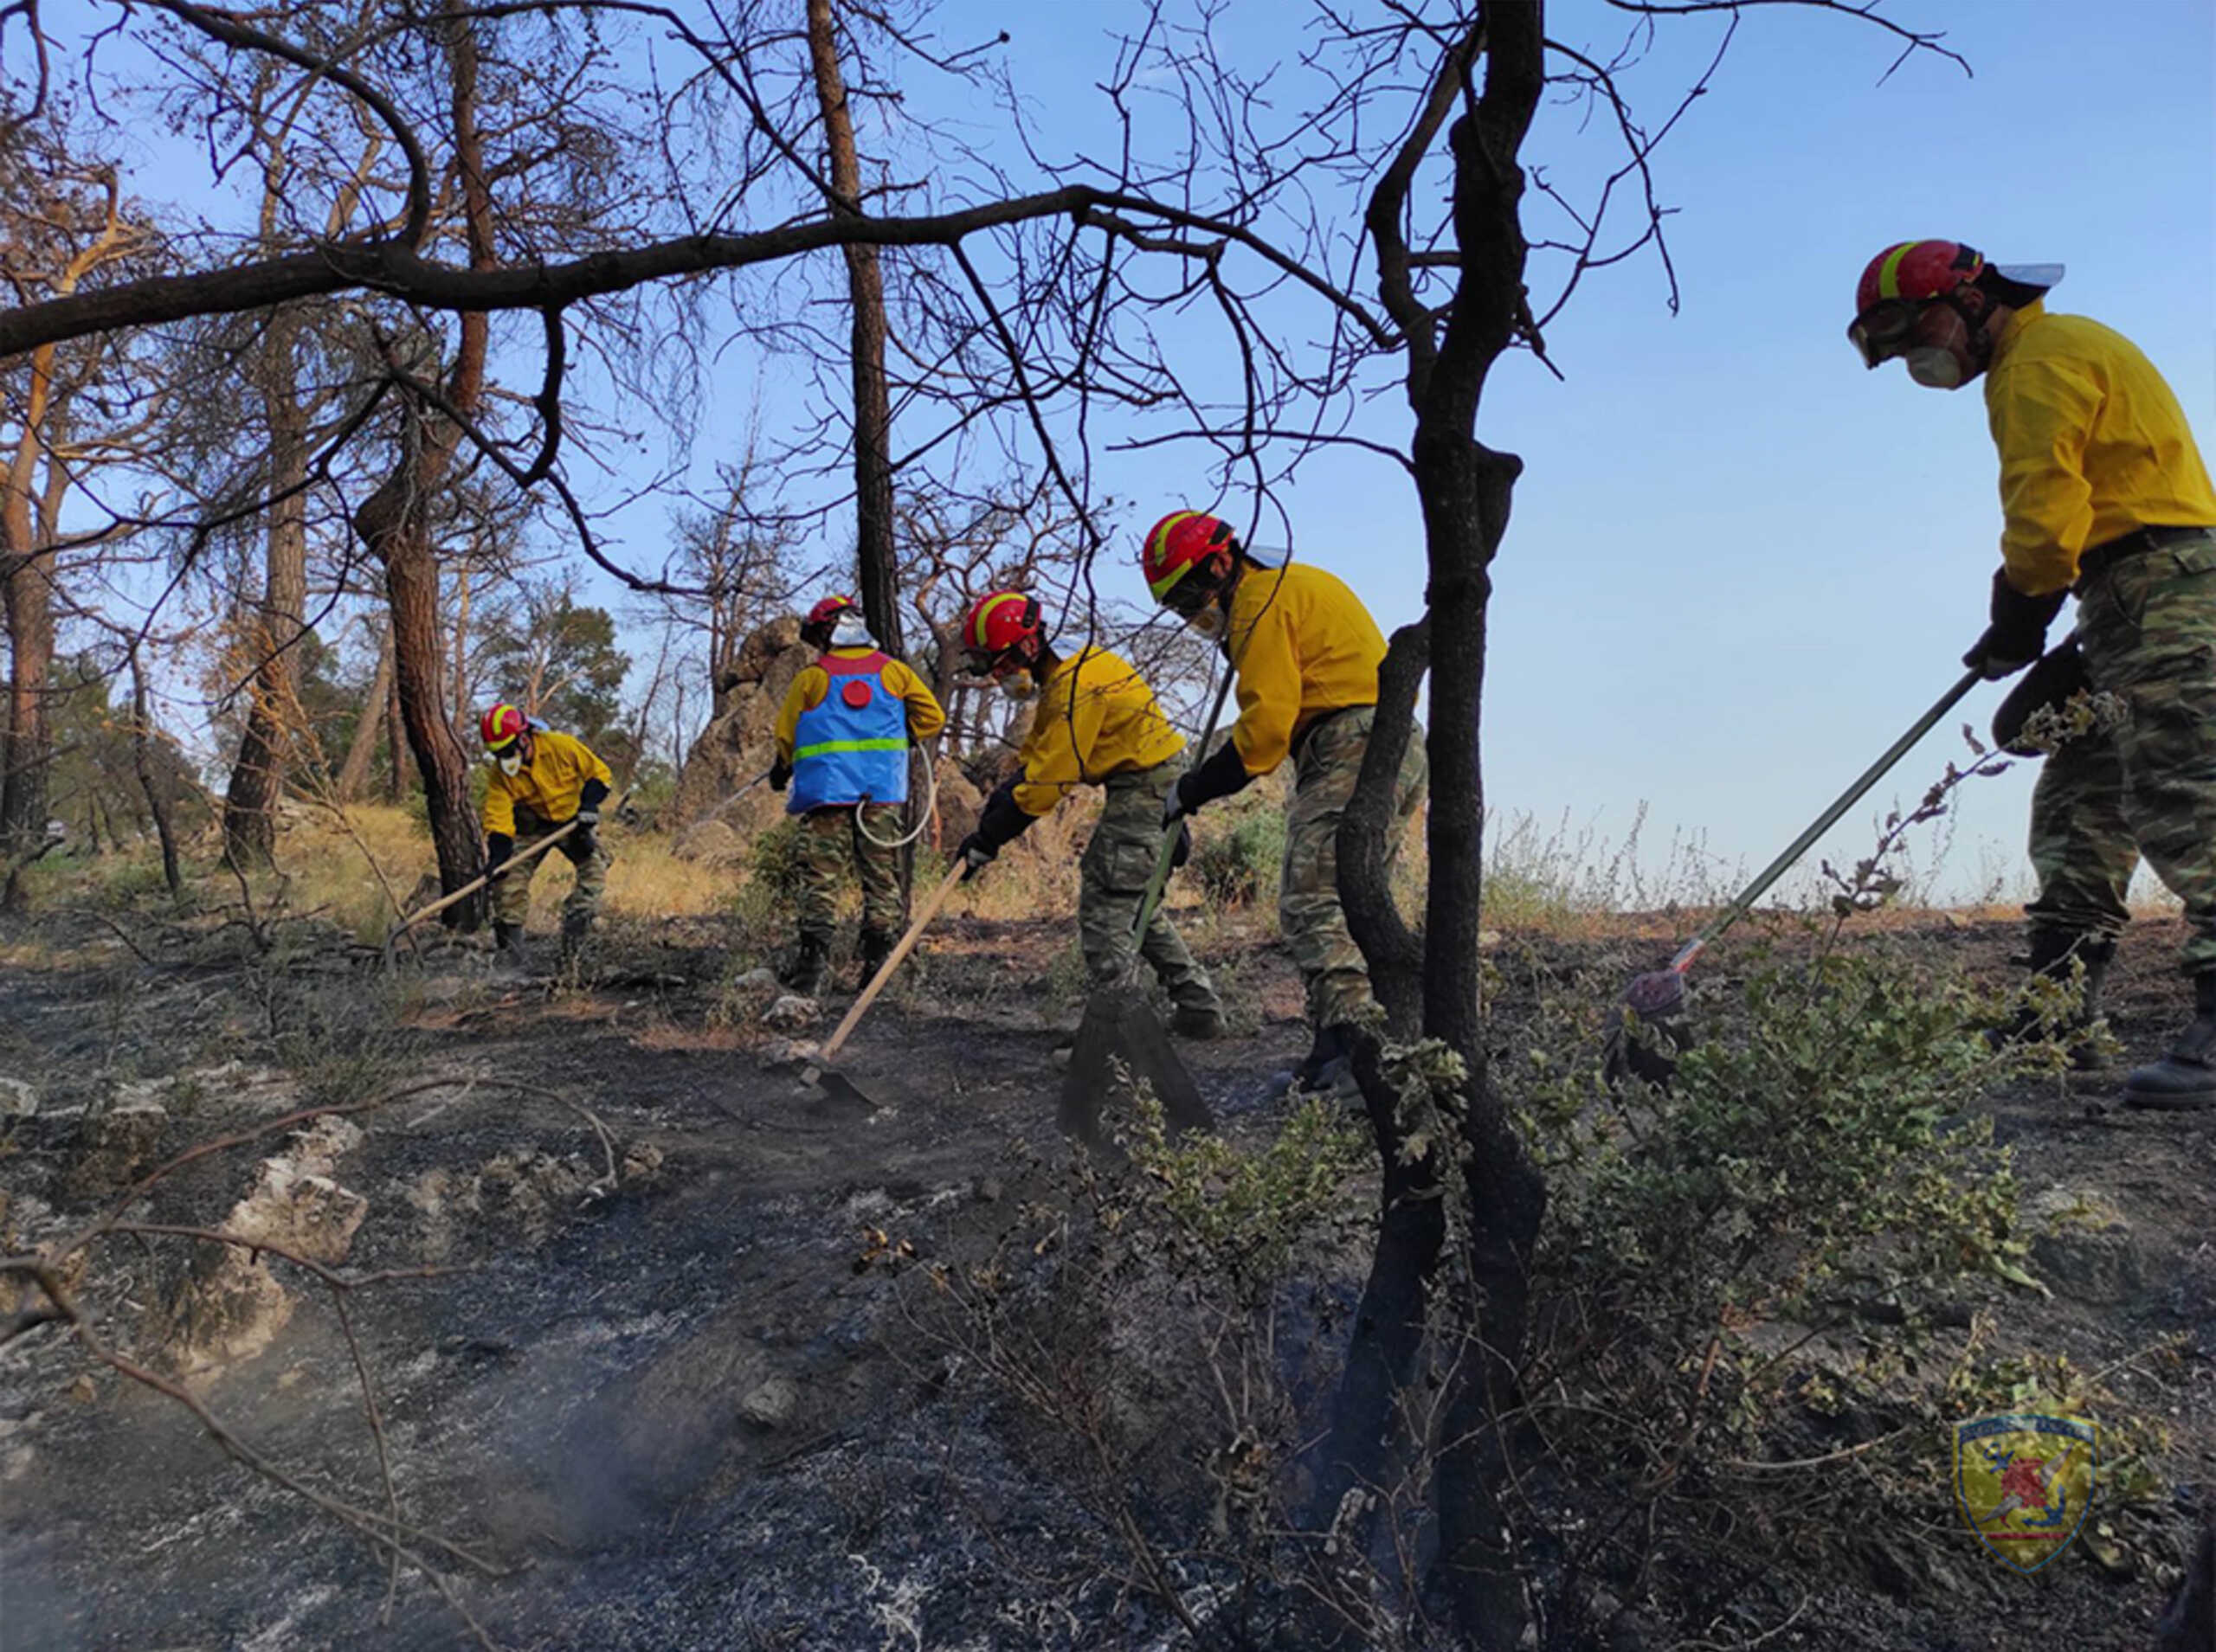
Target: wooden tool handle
x=476 y=884
x=885 y=970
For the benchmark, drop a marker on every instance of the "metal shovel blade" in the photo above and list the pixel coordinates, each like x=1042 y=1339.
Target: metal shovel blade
x=1120 y=1029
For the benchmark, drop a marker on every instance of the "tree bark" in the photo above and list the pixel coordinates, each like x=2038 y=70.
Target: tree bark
x=160 y=803
x=872 y=406
x=27 y=520
x=354 y=772
x=1465 y=490
x=274 y=709
x=396 y=523
x=395 y=732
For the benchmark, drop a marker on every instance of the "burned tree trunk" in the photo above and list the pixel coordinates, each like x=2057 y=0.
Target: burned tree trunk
x=872 y=406
x=1464 y=491
x=273 y=710
x=161 y=798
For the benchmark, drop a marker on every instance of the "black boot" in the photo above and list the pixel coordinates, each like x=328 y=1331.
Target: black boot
x=1330 y=1065
x=809 y=965
x=876 y=947
x=2187 y=1077
x=1200 y=1022
x=511 y=951
x=2054 y=953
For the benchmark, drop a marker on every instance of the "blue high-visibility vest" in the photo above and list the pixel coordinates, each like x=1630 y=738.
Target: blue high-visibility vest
x=853 y=746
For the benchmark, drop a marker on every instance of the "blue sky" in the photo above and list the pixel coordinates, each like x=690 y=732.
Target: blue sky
x=1739 y=563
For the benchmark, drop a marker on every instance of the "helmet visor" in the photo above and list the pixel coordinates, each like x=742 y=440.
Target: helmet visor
x=1884 y=331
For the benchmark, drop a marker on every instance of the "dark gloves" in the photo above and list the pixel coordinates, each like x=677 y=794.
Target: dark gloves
x=590 y=798
x=499 y=846
x=781 y=774
x=2018 y=633
x=1000 y=823
x=1222 y=774
x=1183 y=851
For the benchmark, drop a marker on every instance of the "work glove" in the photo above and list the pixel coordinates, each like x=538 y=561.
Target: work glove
x=2018 y=633
x=781 y=774
x=499 y=846
x=1223 y=774
x=1001 y=822
x=591 y=796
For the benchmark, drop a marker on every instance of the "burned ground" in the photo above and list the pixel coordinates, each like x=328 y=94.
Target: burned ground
x=684 y=1379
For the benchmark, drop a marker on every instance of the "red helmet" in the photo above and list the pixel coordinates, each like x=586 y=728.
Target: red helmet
x=1917 y=270
x=1898 y=284
x=501 y=725
x=1001 y=624
x=827 y=611
x=1180 y=543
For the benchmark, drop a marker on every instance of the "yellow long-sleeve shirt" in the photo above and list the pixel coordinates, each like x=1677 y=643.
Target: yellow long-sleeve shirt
x=925 y=716
x=549 y=785
x=1096 y=718
x=1302 y=645
x=2093 y=444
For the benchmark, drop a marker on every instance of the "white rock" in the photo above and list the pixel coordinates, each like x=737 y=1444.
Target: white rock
x=757 y=981
x=771 y=1403
x=791 y=1013
x=17 y=1099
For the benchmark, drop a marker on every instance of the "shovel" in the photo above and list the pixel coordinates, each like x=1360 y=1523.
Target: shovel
x=819 y=1073
x=1659 y=996
x=1121 y=1028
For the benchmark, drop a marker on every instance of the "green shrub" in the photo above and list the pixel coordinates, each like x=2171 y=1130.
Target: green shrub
x=1237 y=866
x=774 y=861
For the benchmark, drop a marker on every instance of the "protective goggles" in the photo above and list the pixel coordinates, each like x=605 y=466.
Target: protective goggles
x=1189 y=595
x=1884 y=330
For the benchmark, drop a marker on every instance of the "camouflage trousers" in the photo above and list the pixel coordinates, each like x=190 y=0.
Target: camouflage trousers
x=831 y=839
x=511 y=890
x=1118 y=866
x=1309 y=913
x=2147 y=627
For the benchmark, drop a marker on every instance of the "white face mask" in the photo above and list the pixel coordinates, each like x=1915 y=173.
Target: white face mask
x=511 y=761
x=1209 y=621
x=1936 y=369
x=1019 y=686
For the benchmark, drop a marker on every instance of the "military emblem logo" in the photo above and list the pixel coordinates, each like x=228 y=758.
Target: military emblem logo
x=2023 y=1480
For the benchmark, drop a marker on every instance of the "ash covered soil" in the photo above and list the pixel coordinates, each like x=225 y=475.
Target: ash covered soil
x=661 y=1347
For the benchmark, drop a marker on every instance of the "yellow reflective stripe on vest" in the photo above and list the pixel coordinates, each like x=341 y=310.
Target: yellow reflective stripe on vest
x=823 y=747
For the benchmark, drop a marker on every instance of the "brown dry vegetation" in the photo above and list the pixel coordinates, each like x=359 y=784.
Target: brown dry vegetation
x=719 y=1366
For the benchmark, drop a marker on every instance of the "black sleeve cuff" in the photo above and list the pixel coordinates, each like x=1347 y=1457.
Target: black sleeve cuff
x=1003 y=820
x=1223 y=774
x=499 y=846
x=594 y=792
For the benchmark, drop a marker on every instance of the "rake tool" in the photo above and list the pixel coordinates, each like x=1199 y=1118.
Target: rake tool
x=1120 y=1028
x=1659 y=996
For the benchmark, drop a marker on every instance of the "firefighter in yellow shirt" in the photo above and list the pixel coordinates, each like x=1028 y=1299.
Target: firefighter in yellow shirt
x=1307 y=654
x=842 y=739
x=2102 y=493
x=541 y=781
x=1097 y=724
